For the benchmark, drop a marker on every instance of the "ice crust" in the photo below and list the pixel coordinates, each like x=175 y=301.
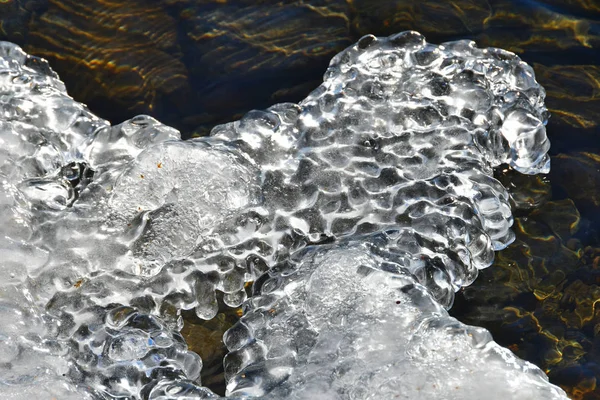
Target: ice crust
x=359 y=212
x=339 y=322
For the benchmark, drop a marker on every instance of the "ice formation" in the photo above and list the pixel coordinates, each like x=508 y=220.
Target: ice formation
x=359 y=212
x=333 y=324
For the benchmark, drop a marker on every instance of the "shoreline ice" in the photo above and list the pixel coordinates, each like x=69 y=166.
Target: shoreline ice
x=360 y=212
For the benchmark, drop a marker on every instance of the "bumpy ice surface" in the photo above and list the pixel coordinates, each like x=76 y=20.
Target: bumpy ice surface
x=333 y=324
x=359 y=211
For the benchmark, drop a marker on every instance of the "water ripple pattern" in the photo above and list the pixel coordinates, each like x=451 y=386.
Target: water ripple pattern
x=358 y=212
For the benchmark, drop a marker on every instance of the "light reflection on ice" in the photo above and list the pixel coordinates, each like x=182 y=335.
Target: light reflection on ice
x=359 y=211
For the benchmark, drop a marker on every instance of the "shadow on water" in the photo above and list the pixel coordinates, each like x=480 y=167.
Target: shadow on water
x=193 y=64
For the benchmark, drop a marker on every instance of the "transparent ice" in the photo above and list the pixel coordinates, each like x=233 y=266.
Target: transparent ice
x=359 y=212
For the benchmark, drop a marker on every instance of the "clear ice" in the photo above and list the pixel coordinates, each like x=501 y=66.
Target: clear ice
x=358 y=212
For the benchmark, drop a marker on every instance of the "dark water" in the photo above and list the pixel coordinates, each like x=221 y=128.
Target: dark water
x=193 y=64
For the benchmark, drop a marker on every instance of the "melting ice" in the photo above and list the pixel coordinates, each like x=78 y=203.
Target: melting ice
x=358 y=212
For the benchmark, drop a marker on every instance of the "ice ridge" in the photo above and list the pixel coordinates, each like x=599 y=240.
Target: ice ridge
x=359 y=212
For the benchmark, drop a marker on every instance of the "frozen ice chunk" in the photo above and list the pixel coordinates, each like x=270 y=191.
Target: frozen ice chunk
x=111 y=147
x=331 y=324
x=122 y=352
x=178 y=191
x=32 y=365
x=110 y=231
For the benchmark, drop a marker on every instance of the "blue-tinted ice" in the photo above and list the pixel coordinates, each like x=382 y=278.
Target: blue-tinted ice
x=359 y=212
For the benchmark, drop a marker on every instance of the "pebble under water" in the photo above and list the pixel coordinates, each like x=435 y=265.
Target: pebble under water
x=358 y=212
